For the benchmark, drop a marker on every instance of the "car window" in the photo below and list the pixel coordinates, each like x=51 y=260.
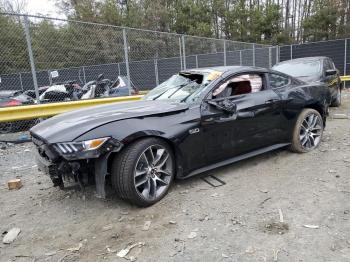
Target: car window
x=276 y=81
x=299 y=68
x=183 y=87
x=329 y=64
x=238 y=85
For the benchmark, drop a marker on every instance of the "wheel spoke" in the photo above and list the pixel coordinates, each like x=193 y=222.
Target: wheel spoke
x=153 y=188
x=304 y=140
x=310 y=120
x=140 y=172
x=159 y=154
x=312 y=141
x=314 y=122
x=161 y=182
x=305 y=124
x=165 y=172
x=146 y=191
x=142 y=182
x=144 y=157
x=151 y=155
x=163 y=161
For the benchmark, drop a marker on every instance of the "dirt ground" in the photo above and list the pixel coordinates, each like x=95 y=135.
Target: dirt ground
x=239 y=221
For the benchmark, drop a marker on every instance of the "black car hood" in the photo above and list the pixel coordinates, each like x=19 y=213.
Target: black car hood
x=68 y=126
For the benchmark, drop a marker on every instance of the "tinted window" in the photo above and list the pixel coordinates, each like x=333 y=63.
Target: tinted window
x=327 y=65
x=299 y=68
x=276 y=81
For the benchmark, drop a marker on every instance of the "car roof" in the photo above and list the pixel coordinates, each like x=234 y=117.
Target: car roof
x=224 y=69
x=310 y=58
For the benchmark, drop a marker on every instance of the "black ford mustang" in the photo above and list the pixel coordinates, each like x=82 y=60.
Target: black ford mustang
x=195 y=121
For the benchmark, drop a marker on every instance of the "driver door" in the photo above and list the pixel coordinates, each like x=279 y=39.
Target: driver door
x=254 y=124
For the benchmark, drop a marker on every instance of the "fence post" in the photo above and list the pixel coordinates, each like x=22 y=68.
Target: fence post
x=345 y=55
x=183 y=51
x=84 y=76
x=118 y=69
x=50 y=78
x=20 y=81
x=31 y=57
x=291 y=52
x=277 y=54
x=224 y=52
x=253 y=54
x=240 y=58
x=126 y=57
x=180 y=50
x=270 y=58
x=197 y=61
x=156 y=71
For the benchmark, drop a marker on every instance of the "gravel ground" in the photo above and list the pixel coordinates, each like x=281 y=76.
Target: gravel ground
x=239 y=221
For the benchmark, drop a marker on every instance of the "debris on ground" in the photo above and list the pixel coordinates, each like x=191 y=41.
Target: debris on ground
x=122 y=253
x=332 y=171
x=265 y=200
x=265 y=191
x=14 y=184
x=107 y=227
x=274 y=227
x=49 y=254
x=172 y=222
x=275 y=255
x=192 y=235
x=340 y=116
x=11 y=235
x=215 y=195
x=75 y=249
x=146 y=225
x=311 y=226
x=281 y=215
x=250 y=250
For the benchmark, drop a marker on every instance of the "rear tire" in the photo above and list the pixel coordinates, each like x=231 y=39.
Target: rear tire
x=143 y=172
x=308 y=131
x=337 y=101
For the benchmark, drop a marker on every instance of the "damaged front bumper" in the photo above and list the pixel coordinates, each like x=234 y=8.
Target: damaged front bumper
x=66 y=163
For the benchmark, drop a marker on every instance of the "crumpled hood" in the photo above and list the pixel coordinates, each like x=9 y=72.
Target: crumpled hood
x=68 y=126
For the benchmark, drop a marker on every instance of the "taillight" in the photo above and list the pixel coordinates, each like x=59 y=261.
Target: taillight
x=12 y=102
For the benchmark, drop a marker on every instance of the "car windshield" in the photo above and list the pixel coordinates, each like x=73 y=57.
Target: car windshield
x=183 y=87
x=300 y=69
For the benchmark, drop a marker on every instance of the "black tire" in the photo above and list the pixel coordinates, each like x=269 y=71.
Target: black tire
x=337 y=101
x=124 y=168
x=298 y=145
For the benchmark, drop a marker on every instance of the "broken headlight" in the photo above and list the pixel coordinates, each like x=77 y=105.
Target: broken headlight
x=75 y=147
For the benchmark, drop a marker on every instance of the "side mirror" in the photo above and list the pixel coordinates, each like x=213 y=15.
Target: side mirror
x=225 y=105
x=331 y=72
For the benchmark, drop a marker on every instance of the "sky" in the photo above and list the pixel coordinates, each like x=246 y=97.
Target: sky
x=43 y=7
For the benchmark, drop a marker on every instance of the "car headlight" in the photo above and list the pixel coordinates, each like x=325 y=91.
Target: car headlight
x=82 y=146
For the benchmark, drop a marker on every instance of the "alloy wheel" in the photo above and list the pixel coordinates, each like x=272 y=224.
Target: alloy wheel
x=311 y=131
x=153 y=172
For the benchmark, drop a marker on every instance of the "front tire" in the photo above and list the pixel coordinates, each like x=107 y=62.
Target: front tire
x=143 y=172
x=308 y=131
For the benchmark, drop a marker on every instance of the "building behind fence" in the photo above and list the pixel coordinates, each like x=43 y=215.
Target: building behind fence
x=81 y=51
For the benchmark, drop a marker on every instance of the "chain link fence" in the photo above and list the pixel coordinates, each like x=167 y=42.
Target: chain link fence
x=47 y=60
